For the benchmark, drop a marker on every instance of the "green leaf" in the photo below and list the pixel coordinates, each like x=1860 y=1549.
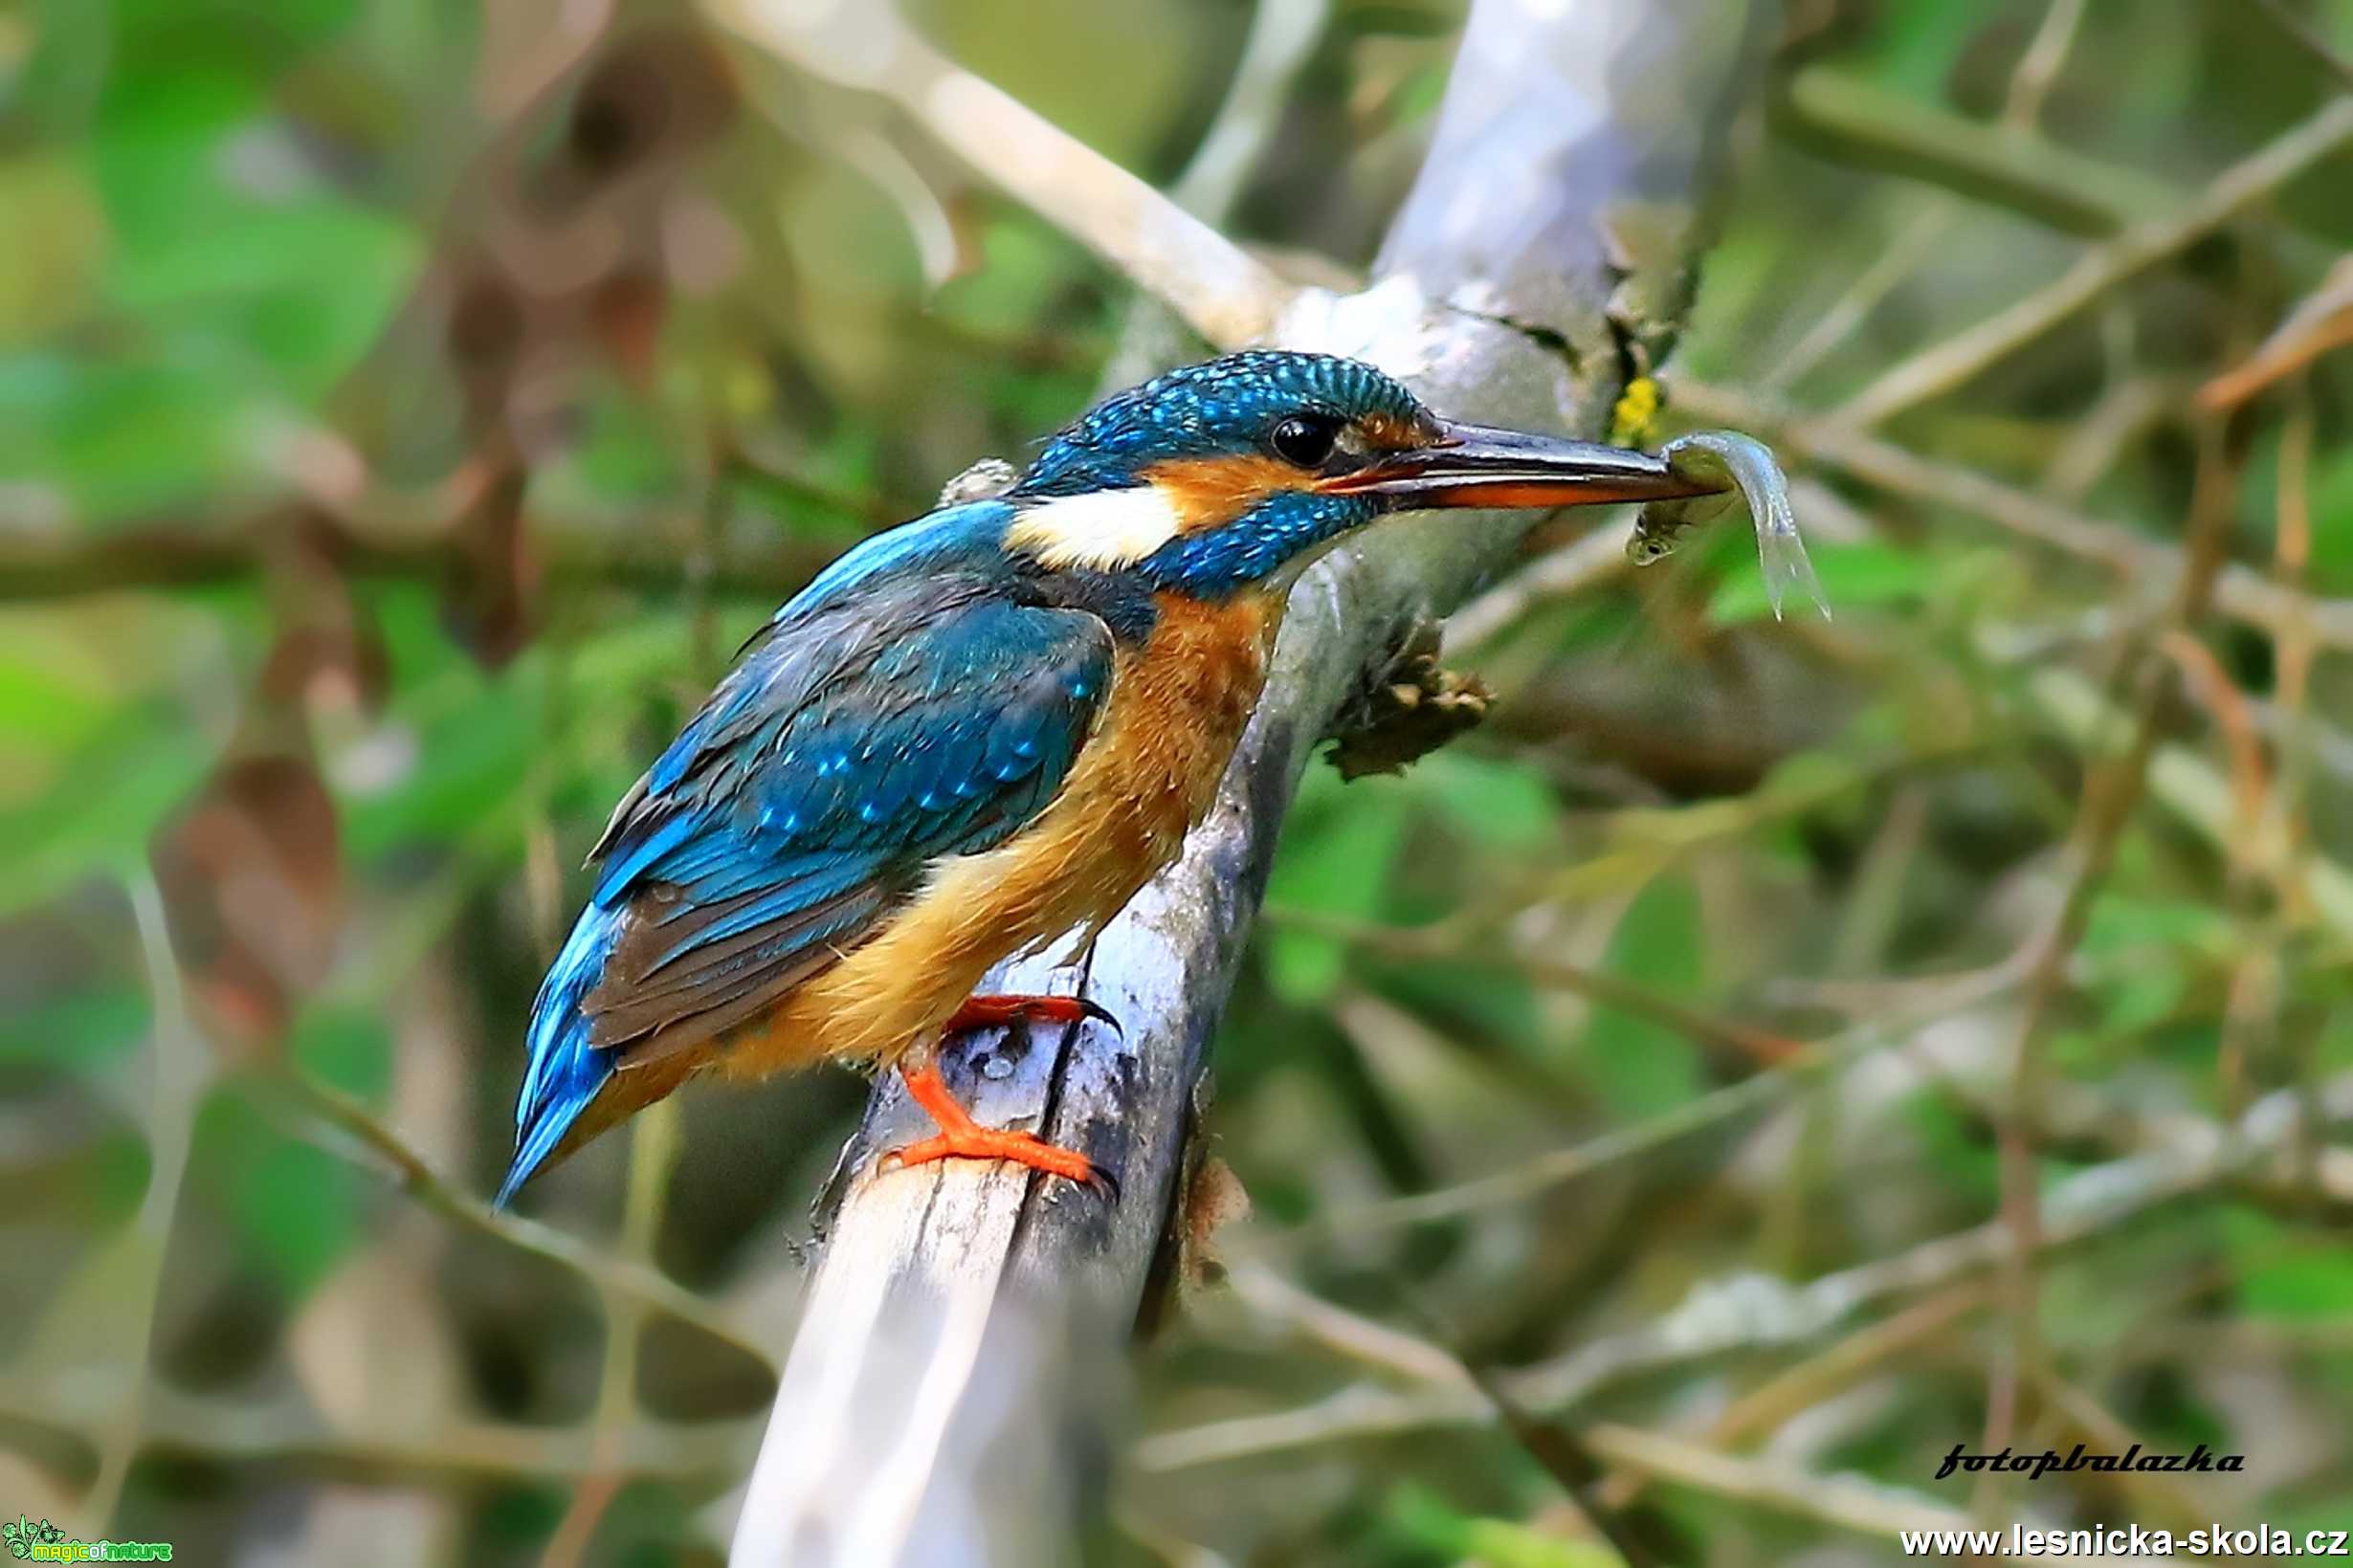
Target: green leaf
x=57 y=244
x=106 y=801
x=346 y=1047
x=1430 y=1522
x=1639 y=1067
x=299 y=1206
x=1507 y=804
x=251 y=281
x=1335 y=859
x=1853 y=575
x=293 y=1205
x=87 y=1031
x=2312 y=1282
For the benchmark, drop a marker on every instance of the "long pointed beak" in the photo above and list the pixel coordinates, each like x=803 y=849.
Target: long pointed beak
x=1477 y=465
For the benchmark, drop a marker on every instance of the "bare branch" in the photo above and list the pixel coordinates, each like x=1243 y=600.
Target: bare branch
x=1757 y=1311
x=1225 y=295
x=232 y=1428
x=956 y=1307
x=2240 y=592
x=1862 y=123
x=2306 y=34
x=622 y=1279
x=1847 y=1502
x=1941 y=369
x=38 y=561
x=1283 y=35
x=1817 y=1062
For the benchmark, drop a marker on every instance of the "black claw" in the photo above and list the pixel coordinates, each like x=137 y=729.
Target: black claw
x=1104 y=1185
x=1102 y=1015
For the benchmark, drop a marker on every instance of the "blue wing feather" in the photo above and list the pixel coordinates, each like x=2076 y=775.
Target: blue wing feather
x=906 y=706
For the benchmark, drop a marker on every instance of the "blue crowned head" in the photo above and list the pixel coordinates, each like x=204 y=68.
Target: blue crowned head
x=1236 y=474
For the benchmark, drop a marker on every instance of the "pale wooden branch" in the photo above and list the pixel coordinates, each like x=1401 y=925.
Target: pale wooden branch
x=1944 y=366
x=1222 y=292
x=1845 y=1502
x=291 y=1432
x=1283 y=35
x=946 y=1392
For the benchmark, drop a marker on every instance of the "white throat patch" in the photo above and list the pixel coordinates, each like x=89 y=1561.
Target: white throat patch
x=1101 y=530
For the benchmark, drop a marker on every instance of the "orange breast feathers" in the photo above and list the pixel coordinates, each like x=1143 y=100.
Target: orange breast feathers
x=1148 y=773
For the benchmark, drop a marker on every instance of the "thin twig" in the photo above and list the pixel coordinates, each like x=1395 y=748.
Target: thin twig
x=181 y=1069
x=652 y=1155
x=1598 y=987
x=1282 y=36
x=2304 y=33
x=2030 y=85
x=293 y=1434
x=1795 y=1075
x=1222 y=292
x=1846 y=115
x=616 y=1275
x=1941 y=367
x=1754 y=1312
x=1797 y=1389
x=2040 y=63
x=2112 y=793
x=2239 y=592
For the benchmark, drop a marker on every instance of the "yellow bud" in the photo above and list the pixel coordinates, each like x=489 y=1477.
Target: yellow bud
x=1632 y=421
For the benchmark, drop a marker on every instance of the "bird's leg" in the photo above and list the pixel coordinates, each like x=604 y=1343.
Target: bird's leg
x=960 y=1137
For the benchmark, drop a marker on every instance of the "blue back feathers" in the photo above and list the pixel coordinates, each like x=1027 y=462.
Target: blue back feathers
x=925 y=696
x=910 y=703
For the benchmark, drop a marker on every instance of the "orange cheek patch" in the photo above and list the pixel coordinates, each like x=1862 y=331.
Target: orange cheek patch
x=1210 y=491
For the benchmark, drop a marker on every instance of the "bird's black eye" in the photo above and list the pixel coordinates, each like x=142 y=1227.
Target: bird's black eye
x=1305 y=439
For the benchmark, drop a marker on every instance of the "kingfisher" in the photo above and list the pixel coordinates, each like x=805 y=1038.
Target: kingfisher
x=983 y=730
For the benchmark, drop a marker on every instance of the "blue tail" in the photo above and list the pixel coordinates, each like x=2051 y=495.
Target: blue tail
x=565 y=1070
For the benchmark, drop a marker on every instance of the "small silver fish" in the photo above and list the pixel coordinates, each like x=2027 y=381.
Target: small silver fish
x=1743 y=467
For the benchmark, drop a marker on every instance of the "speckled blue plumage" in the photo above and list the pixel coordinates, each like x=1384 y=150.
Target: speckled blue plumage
x=924 y=697
x=907 y=705
x=1224 y=406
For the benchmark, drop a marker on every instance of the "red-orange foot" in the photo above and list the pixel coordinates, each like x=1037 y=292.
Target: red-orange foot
x=982 y=1012
x=960 y=1137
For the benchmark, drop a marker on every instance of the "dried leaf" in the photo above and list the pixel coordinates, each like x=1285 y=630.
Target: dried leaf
x=251 y=872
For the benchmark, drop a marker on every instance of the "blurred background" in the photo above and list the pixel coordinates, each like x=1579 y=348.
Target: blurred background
x=1777 y=1052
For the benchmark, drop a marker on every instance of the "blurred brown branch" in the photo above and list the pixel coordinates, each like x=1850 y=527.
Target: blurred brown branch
x=622 y=1279
x=2239 y=591
x=706 y=1455
x=2068 y=189
x=1754 y=1312
x=41 y=562
x=1653 y=1456
x=1737 y=1042
x=1819 y=1062
x=1941 y=367
x=2112 y=791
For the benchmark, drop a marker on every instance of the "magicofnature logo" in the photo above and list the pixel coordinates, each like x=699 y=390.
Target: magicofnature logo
x=44 y=1542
